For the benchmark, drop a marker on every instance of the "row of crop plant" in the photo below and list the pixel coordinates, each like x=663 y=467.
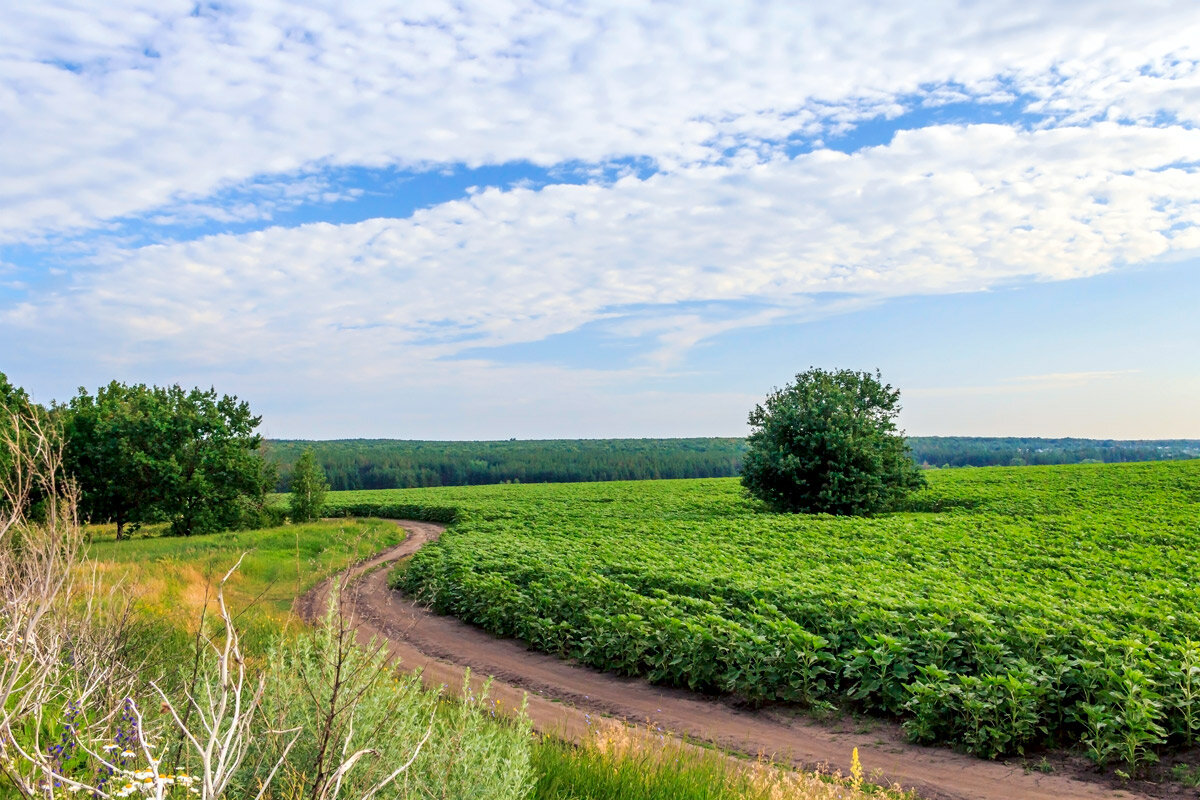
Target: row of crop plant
x=1040 y=606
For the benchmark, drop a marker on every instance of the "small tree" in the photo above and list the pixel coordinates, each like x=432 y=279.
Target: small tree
x=308 y=488
x=828 y=443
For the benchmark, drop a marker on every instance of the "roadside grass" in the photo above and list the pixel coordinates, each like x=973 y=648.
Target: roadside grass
x=619 y=762
x=1187 y=774
x=173 y=584
x=174 y=579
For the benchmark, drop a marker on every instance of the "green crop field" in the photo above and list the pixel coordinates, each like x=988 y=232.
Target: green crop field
x=1008 y=608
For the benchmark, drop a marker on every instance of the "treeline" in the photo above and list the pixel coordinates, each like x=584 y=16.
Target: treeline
x=978 y=451
x=402 y=464
x=395 y=464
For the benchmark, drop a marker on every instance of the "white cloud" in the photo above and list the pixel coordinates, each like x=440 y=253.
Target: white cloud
x=127 y=107
x=256 y=201
x=946 y=209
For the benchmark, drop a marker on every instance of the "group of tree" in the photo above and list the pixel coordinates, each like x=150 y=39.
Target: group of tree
x=15 y=443
x=191 y=459
x=827 y=443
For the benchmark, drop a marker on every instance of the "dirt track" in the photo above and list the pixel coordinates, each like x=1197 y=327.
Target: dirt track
x=563 y=694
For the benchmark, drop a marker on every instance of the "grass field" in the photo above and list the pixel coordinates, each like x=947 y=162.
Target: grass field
x=1008 y=608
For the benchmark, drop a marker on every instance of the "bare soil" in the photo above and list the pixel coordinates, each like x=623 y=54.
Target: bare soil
x=561 y=696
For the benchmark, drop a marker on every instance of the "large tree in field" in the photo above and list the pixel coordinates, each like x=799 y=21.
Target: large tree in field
x=217 y=475
x=144 y=454
x=828 y=443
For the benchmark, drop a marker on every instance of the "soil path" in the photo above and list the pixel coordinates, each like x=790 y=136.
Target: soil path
x=562 y=695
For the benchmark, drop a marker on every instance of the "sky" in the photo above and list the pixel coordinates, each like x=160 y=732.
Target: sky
x=482 y=220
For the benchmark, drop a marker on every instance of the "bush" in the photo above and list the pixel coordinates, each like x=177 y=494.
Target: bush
x=828 y=444
x=384 y=510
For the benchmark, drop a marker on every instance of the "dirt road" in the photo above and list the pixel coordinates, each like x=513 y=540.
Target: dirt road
x=562 y=695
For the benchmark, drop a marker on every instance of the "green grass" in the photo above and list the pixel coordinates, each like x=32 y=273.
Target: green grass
x=173 y=578
x=617 y=762
x=1187 y=774
x=1009 y=608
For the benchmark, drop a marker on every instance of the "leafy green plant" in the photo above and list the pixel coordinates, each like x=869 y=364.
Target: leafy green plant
x=1138 y=712
x=879 y=671
x=1187 y=691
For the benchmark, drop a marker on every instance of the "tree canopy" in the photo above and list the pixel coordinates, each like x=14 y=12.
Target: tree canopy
x=828 y=443
x=14 y=403
x=163 y=454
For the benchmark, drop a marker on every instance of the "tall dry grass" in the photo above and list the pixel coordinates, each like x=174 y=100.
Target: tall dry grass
x=619 y=762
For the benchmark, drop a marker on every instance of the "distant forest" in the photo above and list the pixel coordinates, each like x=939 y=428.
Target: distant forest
x=402 y=464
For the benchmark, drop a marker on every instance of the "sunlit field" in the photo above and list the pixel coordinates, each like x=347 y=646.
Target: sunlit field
x=1008 y=608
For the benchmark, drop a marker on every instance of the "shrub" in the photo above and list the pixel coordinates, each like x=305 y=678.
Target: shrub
x=828 y=443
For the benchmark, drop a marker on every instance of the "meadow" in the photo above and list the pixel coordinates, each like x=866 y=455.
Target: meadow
x=1005 y=609
x=173 y=579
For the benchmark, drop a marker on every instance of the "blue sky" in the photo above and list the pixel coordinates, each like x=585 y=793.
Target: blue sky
x=483 y=220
